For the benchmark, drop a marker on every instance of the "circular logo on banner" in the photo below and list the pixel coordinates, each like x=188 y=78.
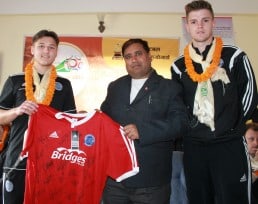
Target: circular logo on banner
x=72 y=64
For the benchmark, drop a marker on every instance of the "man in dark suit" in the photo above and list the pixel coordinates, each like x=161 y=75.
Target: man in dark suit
x=152 y=113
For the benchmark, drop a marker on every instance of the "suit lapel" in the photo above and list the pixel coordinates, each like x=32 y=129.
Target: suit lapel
x=127 y=89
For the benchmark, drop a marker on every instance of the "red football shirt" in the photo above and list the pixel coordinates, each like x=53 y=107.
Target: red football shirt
x=71 y=155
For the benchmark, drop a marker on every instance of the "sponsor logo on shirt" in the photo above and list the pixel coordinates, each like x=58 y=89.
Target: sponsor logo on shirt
x=73 y=156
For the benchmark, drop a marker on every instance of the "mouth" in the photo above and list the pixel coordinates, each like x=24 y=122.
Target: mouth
x=45 y=56
x=135 y=66
x=200 y=32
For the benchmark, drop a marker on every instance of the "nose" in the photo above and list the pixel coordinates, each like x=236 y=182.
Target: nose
x=200 y=24
x=256 y=142
x=134 y=57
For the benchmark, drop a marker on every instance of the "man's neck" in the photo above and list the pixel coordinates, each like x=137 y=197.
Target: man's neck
x=201 y=46
x=41 y=69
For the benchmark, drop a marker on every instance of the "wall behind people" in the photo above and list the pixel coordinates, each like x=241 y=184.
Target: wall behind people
x=15 y=27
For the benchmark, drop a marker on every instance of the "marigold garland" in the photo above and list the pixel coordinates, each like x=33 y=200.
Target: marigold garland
x=29 y=85
x=209 y=70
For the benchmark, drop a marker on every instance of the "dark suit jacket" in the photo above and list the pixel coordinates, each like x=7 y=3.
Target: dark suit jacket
x=255 y=192
x=160 y=116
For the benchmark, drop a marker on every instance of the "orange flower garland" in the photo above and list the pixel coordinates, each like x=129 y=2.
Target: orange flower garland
x=29 y=85
x=210 y=70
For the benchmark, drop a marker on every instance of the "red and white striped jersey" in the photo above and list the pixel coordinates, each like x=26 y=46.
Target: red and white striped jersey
x=71 y=155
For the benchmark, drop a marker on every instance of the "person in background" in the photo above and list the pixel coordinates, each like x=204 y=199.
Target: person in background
x=220 y=93
x=39 y=84
x=152 y=113
x=251 y=137
x=179 y=193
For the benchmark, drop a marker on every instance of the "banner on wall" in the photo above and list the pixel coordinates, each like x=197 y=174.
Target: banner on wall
x=223 y=28
x=91 y=63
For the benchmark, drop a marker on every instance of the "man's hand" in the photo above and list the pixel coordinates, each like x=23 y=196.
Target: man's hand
x=27 y=107
x=131 y=131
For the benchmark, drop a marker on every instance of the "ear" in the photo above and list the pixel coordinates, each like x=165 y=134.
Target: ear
x=150 y=57
x=186 y=27
x=185 y=24
x=213 y=23
x=32 y=50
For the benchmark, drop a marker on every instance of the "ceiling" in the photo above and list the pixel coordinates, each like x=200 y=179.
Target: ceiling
x=12 y=7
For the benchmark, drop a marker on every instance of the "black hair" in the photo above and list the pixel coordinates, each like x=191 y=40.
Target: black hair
x=133 y=41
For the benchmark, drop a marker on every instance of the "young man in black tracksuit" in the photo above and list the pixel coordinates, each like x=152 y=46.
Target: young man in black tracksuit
x=20 y=96
x=220 y=93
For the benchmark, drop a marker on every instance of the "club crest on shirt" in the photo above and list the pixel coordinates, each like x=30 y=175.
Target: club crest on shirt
x=89 y=140
x=59 y=86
